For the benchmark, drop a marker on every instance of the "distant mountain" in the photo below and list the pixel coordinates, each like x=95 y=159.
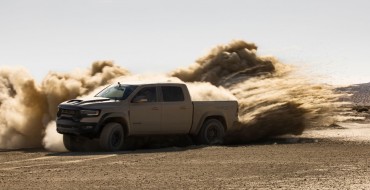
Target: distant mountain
x=361 y=93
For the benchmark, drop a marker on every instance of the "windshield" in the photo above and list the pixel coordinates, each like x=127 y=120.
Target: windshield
x=118 y=91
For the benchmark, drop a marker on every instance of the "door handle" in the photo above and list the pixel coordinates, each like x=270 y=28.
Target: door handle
x=155 y=108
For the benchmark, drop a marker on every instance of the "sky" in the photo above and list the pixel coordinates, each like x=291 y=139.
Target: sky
x=328 y=39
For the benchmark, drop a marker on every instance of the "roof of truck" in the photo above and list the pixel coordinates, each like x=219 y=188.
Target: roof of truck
x=149 y=83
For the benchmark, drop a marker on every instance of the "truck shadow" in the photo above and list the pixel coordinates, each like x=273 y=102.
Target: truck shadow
x=137 y=151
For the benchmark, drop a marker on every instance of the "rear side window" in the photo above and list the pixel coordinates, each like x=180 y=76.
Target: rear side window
x=172 y=94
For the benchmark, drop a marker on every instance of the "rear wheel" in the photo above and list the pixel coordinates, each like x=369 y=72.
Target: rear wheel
x=112 y=137
x=211 y=133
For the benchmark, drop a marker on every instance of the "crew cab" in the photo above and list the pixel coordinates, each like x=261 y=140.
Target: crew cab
x=123 y=110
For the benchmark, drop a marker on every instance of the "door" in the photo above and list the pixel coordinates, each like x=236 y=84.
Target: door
x=176 y=112
x=145 y=112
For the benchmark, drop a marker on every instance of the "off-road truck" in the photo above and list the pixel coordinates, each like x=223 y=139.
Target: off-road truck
x=123 y=110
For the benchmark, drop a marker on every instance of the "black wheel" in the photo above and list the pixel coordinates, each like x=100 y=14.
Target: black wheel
x=73 y=143
x=112 y=137
x=211 y=133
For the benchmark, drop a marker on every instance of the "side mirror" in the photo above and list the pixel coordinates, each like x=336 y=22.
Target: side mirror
x=140 y=99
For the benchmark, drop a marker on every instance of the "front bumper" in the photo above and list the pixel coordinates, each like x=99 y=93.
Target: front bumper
x=65 y=126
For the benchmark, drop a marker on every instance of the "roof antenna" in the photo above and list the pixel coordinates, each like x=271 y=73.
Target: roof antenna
x=119 y=84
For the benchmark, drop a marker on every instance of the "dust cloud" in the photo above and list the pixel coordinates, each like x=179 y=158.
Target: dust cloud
x=27 y=108
x=273 y=100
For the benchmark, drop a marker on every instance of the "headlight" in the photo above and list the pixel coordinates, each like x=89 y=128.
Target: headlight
x=90 y=112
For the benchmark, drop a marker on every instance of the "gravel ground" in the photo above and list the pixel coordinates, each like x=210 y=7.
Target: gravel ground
x=324 y=159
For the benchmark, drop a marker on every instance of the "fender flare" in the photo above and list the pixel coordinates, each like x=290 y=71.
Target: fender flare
x=114 y=116
x=199 y=125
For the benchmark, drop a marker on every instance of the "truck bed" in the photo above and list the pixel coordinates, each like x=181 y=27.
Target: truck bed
x=204 y=109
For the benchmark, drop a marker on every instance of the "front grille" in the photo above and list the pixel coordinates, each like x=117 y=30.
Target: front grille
x=69 y=112
x=65 y=126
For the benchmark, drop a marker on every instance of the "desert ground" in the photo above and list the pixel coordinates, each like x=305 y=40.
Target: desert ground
x=330 y=158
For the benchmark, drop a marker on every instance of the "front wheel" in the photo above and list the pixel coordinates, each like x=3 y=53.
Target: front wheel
x=112 y=137
x=211 y=133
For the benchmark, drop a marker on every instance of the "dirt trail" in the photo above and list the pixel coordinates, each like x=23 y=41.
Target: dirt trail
x=306 y=162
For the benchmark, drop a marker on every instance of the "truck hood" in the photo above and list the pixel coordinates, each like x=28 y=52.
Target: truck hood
x=89 y=100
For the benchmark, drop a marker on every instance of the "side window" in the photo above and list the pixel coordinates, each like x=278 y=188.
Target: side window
x=172 y=94
x=150 y=93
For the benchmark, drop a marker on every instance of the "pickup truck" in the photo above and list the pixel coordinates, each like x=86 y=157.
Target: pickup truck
x=123 y=110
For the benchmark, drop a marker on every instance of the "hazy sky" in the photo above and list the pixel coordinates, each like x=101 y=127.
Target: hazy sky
x=328 y=37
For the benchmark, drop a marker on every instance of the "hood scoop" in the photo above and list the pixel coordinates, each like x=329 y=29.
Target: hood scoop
x=79 y=102
x=74 y=101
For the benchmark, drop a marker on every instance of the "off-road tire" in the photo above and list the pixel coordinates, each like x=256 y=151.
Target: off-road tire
x=73 y=143
x=211 y=133
x=112 y=137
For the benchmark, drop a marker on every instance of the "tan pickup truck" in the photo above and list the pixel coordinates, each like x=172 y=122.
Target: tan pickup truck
x=122 y=110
